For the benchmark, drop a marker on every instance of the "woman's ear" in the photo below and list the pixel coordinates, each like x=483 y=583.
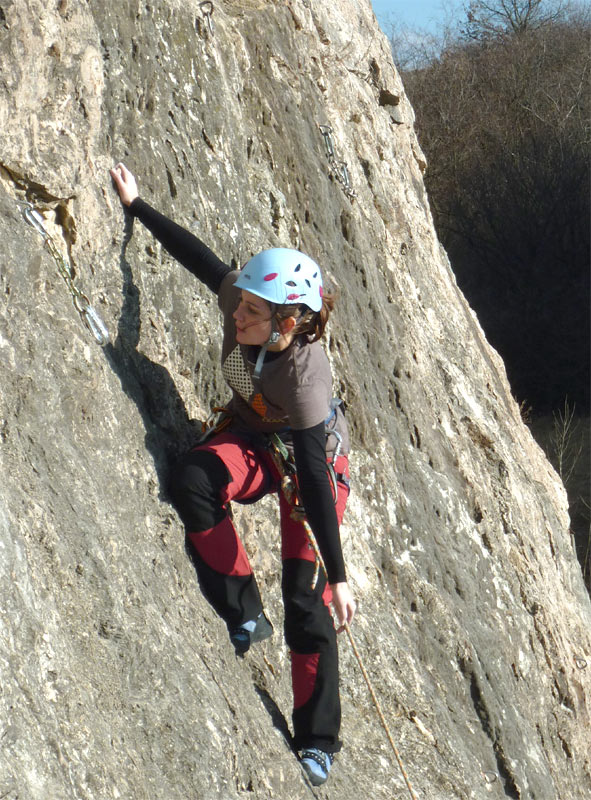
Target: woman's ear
x=287 y=324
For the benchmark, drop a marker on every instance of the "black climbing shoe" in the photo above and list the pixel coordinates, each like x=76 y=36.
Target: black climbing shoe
x=255 y=630
x=316 y=764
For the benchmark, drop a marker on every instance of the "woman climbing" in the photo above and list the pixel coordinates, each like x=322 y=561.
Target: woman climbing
x=274 y=314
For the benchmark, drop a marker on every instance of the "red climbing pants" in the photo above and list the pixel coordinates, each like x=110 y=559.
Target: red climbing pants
x=228 y=468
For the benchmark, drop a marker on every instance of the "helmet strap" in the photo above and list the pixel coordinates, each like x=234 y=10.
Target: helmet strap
x=273 y=339
x=259 y=364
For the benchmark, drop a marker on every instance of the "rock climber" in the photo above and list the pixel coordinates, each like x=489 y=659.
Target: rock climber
x=274 y=315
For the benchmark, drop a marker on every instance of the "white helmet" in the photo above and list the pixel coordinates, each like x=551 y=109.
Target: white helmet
x=283 y=276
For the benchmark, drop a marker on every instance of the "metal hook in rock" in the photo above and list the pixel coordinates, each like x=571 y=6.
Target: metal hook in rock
x=81 y=303
x=90 y=317
x=346 y=181
x=207 y=8
x=95 y=325
x=338 y=168
x=34 y=219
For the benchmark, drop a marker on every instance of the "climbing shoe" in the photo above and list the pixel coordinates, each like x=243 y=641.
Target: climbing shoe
x=255 y=630
x=316 y=764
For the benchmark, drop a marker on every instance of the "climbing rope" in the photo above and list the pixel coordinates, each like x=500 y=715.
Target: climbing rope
x=338 y=168
x=81 y=302
x=380 y=713
x=289 y=488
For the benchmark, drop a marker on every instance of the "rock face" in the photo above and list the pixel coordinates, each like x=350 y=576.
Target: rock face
x=117 y=679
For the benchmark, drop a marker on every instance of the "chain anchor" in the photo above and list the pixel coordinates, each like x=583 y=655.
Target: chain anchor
x=346 y=180
x=326 y=132
x=338 y=168
x=87 y=312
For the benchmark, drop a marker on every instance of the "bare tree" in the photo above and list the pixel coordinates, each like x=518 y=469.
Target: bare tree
x=505 y=127
x=491 y=18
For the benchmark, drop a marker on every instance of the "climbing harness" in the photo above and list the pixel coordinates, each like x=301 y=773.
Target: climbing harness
x=81 y=302
x=338 y=168
x=289 y=487
x=207 y=11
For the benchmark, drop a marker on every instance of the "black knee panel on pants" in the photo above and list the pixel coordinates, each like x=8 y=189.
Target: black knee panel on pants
x=308 y=622
x=195 y=486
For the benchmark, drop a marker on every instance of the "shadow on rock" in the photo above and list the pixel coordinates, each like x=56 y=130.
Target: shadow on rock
x=169 y=431
x=273 y=710
x=270 y=706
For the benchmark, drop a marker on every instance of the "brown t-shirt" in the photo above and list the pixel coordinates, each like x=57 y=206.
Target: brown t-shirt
x=294 y=389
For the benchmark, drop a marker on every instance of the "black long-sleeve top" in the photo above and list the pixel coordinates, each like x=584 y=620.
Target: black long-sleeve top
x=310 y=443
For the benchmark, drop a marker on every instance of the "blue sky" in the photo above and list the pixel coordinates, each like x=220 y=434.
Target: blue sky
x=423 y=14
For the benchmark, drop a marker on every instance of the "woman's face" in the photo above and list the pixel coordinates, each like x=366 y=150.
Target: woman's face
x=253 y=319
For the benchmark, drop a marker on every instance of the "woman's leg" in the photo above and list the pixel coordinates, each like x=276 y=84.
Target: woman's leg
x=311 y=637
x=202 y=484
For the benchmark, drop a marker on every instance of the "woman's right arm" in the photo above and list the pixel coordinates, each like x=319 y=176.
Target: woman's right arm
x=186 y=248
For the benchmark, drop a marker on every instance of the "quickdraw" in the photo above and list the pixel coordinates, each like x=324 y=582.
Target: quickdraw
x=339 y=168
x=81 y=302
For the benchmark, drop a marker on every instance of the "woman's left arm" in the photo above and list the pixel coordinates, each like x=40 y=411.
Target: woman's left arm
x=309 y=447
x=182 y=245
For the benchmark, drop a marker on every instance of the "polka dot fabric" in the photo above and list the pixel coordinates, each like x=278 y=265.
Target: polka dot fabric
x=237 y=375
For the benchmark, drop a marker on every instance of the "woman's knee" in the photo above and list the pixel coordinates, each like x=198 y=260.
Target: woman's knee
x=195 y=486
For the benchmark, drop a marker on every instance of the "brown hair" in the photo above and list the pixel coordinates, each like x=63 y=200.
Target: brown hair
x=311 y=323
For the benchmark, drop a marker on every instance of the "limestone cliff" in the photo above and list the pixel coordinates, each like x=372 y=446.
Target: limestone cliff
x=117 y=680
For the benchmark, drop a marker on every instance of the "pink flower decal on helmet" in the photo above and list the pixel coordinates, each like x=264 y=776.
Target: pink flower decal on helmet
x=271 y=276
